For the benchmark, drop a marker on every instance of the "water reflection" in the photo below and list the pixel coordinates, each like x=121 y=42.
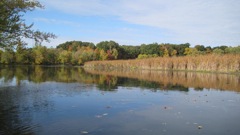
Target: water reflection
x=70 y=100
x=109 y=80
x=16 y=107
x=178 y=80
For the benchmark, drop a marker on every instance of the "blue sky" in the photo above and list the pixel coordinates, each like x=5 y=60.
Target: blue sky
x=134 y=22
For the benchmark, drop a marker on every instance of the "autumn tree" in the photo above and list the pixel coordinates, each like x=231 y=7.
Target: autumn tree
x=165 y=50
x=74 y=45
x=180 y=48
x=191 y=52
x=115 y=53
x=103 y=55
x=96 y=54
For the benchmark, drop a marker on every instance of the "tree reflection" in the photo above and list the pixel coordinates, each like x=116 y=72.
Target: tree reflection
x=107 y=82
x=110 y=80
x=177 y=80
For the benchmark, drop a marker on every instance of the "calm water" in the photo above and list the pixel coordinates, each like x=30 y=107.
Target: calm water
x=70 y=101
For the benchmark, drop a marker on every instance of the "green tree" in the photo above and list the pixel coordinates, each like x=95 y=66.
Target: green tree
x=22 y=55
x=1 y=52
x=107 y=45
x=233 y=50
x=65 y=57
x=39 y=53
x=222 y=47
x=12 y=25
x=129 y=52
x=208 y=49
x=150 y=49
x=200 y=48
x=7 y=57
x=51 y=56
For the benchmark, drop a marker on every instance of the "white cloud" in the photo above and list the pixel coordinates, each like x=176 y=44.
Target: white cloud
x=208 y=22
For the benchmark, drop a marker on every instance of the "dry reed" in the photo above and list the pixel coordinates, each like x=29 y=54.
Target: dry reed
x=211 y=63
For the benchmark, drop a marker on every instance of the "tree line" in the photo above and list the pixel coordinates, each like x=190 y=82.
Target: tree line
x=78 y=52
x=13 y=31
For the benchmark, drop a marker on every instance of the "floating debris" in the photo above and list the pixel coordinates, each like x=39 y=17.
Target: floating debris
x=200 y=127
x=98 y=116
x=167 y=108
x=105 y=114
x=84 y=132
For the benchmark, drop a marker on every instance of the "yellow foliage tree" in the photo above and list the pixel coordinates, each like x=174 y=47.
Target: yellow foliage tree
x=191 y=52
x=103 y=55
x=166 y=53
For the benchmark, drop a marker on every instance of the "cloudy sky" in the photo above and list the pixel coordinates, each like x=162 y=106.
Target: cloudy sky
x=134 y=22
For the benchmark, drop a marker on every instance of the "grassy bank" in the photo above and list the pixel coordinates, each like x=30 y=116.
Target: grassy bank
x=209 y=63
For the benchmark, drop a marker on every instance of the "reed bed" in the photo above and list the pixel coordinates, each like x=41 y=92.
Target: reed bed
x=227 y=63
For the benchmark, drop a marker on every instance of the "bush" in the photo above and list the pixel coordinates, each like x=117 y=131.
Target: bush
x=218 y=51
x=233 y=50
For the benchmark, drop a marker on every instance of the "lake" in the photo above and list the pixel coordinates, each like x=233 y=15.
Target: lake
x=51 y=100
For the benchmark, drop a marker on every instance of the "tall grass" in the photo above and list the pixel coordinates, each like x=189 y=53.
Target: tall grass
x=211 y=63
